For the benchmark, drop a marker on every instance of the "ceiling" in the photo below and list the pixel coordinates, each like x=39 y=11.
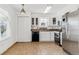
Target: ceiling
x=40 y=8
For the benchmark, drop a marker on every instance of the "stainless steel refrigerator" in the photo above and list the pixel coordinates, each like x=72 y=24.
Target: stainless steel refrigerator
x=70 y=32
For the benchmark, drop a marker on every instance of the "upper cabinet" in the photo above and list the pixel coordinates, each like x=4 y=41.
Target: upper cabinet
x=59 y=23
x=35 y=21
x=54 y=21
x=44 y=22
x=32 y=21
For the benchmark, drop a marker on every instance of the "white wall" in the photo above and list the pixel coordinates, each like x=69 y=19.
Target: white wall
x=42 y=15
x=5 y=44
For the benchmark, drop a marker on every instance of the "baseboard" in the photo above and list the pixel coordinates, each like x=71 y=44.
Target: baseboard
x=8 y=48
x=47 y=41
x=32 y=41
x=23 y=41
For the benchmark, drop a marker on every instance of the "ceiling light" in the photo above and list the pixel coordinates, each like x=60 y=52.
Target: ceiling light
x=47 y=9
x=22 y=10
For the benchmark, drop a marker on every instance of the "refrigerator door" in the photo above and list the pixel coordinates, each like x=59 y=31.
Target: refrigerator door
x=71 y=34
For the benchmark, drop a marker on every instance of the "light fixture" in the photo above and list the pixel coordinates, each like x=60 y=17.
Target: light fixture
x=22 y=10
x=47 y=9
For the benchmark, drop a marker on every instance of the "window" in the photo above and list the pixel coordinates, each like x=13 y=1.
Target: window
x=5 y=32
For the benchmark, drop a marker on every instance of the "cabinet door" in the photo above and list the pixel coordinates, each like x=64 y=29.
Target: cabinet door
x=54 y=21
x=50 y=23
x=45 y=36
x=52 y=36
x=24 y=29
x=36 y=21
x=32 y=21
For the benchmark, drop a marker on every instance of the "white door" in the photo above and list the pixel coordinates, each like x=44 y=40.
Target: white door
x=24 y=29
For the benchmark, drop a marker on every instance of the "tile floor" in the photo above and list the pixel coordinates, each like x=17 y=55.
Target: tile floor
x=35 y=48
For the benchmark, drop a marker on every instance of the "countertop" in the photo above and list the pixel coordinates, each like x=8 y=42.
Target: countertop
x=37 y=30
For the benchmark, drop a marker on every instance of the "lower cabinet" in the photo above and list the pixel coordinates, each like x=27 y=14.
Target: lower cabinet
x=46 y=36
x=52 y=36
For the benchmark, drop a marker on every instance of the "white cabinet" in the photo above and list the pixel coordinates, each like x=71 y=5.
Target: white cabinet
x=46 y=36
x=50 y=22
x=34 y=22
x=24 y=29
x=52 y=36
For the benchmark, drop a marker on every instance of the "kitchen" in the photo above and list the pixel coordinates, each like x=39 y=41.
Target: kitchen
x=43 y=28
x=46 y=29
x=45 y=24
